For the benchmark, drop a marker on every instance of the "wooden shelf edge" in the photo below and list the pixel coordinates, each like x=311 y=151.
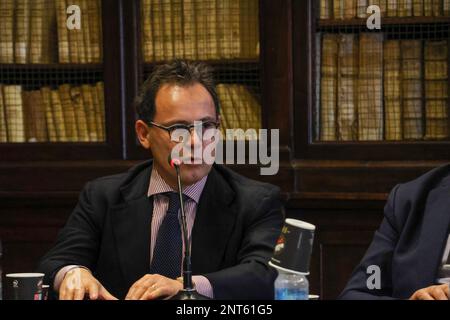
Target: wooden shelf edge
x=218 y=65
x=52 y=66
x=299 y=164
x=385 y=21
x=353 y=196
x=73 y=164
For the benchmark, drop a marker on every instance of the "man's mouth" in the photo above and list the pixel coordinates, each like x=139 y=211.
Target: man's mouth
x=196 y=160
x=193 y=161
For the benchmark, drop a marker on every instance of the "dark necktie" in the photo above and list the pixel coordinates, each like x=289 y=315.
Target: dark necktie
x=167 y=253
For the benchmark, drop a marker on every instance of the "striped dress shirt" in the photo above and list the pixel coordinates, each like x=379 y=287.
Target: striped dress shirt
x=157 y=187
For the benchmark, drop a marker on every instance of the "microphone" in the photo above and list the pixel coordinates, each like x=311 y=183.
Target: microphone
x=188 y=292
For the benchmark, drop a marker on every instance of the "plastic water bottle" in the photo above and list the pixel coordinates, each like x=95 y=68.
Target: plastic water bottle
x=291 y=286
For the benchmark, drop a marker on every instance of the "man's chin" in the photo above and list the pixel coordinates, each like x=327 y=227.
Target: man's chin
x=192 y=173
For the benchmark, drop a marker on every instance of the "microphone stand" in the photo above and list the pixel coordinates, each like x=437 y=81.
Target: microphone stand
x=188 y=292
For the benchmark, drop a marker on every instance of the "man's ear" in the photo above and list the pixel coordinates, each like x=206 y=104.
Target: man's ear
x=142 y=133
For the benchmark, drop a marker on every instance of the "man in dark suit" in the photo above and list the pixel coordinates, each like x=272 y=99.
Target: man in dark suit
x=411 y=247
x=123 y=240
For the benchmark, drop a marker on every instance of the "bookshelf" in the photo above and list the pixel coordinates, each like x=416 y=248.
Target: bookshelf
x=385 y=21
x=65 y=95
x=342 y=186
x=225 y=34
x=388 y=107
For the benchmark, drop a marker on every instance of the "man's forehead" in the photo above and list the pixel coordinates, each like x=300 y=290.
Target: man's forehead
x=183 y=91
x=172 y=98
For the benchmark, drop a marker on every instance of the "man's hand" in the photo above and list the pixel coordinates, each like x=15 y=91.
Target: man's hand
x=153 y=286
x=438 y=292
x=78 y=282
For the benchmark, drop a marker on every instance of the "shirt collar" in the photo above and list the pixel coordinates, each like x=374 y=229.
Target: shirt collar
x=158 y=185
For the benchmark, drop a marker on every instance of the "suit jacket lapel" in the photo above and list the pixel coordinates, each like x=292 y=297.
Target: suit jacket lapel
x=434 y=234
x=132 y=225
x=214 y=222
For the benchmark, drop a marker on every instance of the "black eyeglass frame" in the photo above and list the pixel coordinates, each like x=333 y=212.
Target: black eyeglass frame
x=170 y=129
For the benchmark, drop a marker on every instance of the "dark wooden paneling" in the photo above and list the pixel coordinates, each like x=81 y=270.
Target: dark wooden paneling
x=336 y=265
x=58 y=177
x=276 y=70
x=340 y=241
x=28 y=229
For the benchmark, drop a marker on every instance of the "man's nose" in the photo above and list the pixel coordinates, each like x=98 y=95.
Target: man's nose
x=196 y=136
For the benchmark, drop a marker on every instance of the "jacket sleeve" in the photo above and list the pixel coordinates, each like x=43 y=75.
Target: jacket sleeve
x=252 y=278
x=361 y=285
x=78 y=242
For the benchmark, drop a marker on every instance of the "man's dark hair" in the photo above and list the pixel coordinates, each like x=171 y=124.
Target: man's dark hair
x=176 y=72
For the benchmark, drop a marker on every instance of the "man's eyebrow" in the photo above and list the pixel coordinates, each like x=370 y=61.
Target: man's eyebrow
x=207 y=119
x=171 y=123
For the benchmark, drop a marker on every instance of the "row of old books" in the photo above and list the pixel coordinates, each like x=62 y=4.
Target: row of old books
x=349 y=9
x=65 y=114
x=371 y=89
x=37 y=32
x=239 y=110
x=199 y=29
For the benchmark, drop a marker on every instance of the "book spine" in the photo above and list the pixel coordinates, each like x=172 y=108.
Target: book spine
x=70 y=122
x=167 y=17
x=361 y=11
x=147 y=36
x=350 y=7
x=58 y=116
x=392 y=6
x=12 y=95
x=177 y=25
x=64 y=54
x=101 y=98
x=325 y=9
x=6 y=31
x=3 y=127
x=22 y=32
x=370 y=99
x=412 y=89
x=200 y=29
x=34 y=113
x=87 y=31
x=189 y=29
x=90 y=113
x=437 y=8
x=98 y=113
x=405 y=8
x=49 y=114
x=158 y=27
x=418 y=8
x=446 y=7
x=347 y=129
x=211 y=30
x=392 y=90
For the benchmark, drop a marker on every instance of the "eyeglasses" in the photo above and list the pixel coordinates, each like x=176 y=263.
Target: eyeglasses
x=205 y=126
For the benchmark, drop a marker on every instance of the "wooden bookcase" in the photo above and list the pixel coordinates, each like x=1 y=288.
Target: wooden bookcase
x=311 y=148
x=55 y=74
x=340 y=187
